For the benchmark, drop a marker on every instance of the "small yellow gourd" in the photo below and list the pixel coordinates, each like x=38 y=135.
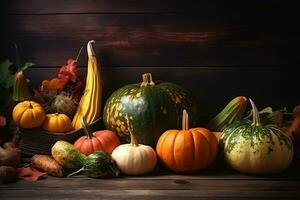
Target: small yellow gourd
x=58 y=123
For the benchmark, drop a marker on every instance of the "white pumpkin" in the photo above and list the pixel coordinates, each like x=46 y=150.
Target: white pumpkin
x=134 y=158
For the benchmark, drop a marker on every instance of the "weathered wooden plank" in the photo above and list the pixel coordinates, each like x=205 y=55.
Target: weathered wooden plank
x=153 y=39
x=132 y=6
x=146 y=194
x=213 y=87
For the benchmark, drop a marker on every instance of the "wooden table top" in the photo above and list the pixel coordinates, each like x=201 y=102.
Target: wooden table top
x=215 y=183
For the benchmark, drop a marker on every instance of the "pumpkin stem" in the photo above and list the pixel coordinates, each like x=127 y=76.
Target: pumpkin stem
x=86 y=128
x=133 y=139
x=185 y=120
x=30 y=105
x=147 y=80
x=90 y=49
x=256 y=119
x=75 y=173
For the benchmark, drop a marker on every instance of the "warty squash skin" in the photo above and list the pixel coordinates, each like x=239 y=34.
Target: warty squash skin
x=59 y=123
x=152 y=108
x=187 y=150
x=28 y=114
x=256 y=149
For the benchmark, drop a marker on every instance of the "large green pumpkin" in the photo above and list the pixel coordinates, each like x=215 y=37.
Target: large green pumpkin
x=148 y=108
x=250 y=147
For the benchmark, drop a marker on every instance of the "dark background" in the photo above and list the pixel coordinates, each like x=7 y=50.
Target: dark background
x=216 y=49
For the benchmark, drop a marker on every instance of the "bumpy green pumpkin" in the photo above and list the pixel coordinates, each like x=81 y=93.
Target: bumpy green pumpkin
x=252 y=148
x=150 y=108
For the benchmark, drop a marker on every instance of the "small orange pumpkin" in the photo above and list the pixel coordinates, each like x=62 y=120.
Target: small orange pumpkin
x=59 y=123
x=100 y=140
x=28 y=114
x=187 y=150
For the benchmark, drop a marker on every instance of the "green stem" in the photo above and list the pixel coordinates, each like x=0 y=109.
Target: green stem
x=86 y=128
x=75 y=173
x=114 y=169
x=133 y=139
x=256 y=119
x=185 y=120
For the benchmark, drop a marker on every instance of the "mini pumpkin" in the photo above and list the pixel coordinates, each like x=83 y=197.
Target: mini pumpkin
x=187 y=150
x=250 y=147
x=100 y=140
x=59 y=123
x=134 y=158
x=28 y=114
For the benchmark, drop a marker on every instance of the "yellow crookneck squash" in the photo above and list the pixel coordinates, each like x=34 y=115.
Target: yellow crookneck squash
x=90 y=103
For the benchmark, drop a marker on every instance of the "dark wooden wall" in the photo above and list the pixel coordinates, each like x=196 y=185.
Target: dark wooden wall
x=216 y=49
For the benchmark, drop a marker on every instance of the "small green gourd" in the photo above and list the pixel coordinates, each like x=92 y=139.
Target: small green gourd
x=98 y=164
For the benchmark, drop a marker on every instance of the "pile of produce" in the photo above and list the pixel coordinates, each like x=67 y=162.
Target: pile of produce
x=147 y=123
x=59 y=103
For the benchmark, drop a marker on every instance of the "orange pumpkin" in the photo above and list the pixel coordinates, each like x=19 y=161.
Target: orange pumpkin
x=58 y=123
x=100 y=140
x=28 y=114
x=187 y=150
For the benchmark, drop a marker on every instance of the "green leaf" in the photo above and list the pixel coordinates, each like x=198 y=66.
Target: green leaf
x=6 y=76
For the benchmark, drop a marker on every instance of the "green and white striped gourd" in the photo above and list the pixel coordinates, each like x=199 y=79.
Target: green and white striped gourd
x=252 y=148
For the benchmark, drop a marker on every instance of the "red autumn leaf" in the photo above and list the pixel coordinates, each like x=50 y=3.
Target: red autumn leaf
x=2 y=121
x=68 y=71
x=30 y=174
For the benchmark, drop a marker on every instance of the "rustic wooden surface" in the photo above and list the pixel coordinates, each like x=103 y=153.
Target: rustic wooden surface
x=217 y=50
x=199 y=44
x=212 y=184
x=152 y=33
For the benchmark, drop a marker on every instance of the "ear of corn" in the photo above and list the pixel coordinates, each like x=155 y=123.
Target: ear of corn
x=90 y=103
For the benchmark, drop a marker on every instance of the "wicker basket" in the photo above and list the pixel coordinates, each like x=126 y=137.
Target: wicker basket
x=37 y=141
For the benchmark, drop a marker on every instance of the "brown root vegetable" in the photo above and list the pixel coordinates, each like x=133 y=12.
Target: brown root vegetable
x=10 y=157
x=47 y=164
x=8 y=174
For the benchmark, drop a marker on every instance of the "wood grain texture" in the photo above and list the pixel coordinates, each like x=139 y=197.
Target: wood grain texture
x=175 y=187
x=132 y=6
x=213 y=87
x=190 y=39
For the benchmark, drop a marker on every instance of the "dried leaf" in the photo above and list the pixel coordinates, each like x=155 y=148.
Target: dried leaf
x=68 y=71
x=30 y=174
